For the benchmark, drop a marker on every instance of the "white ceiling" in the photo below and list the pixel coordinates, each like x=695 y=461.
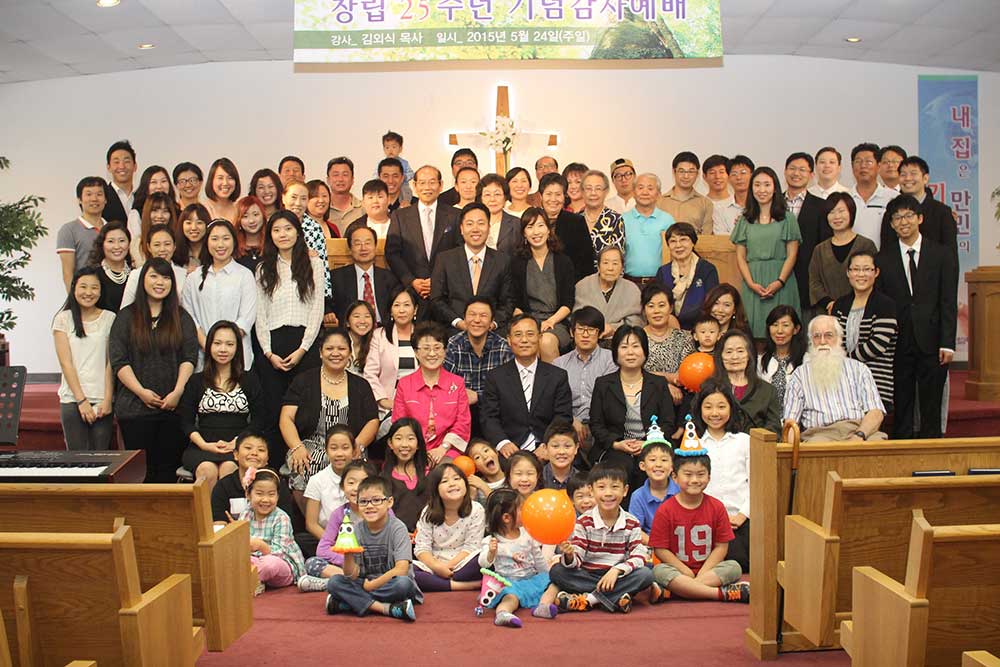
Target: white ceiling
x=42 y=39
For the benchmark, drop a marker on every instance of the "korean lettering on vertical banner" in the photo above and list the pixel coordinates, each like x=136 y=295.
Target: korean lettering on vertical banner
x=358 y=31
x=949 y=142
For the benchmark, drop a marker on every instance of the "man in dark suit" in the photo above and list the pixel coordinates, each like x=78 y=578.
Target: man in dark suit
x=463 y=157
x=523 y=396
x=470 y=270
x=939 y=221
x=119 y=192
x=808 y=210
x=418 y=234
x=362 y=280
x=921 y=276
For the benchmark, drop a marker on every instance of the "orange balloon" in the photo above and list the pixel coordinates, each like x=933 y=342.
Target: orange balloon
x=695 y=369
x=548 y=516
x=466 y=465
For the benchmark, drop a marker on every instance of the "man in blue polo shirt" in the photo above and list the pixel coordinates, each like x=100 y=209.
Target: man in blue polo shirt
x=644 y=228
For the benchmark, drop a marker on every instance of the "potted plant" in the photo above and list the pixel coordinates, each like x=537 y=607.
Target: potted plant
x=20 y=229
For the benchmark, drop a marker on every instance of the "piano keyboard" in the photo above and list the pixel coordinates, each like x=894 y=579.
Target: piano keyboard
x=72 y=467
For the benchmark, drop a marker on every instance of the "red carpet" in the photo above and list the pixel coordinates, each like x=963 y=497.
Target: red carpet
x=292 y=628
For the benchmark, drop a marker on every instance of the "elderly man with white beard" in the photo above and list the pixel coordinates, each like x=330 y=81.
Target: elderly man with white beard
x=833 y=398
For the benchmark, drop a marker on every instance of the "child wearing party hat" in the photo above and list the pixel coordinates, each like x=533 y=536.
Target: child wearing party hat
x=656 y=461
x=691 y=532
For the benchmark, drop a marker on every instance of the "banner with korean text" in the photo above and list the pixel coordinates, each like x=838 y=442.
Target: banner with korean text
x=367 y=31
x=949 y=142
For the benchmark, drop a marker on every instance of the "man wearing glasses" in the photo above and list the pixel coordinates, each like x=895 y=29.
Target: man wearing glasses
x=586 y=362
x=921 y=277
x=833 y=398
x=888 y=166
x=808 y=210
x=623 y=176
x=939 y=220
x=870 y=197
x=682 y=201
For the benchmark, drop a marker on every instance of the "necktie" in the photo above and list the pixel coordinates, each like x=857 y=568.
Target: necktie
x=368 y=295
x=913 y=269
x=477 y=270
x=526 y=385
x=428 y=230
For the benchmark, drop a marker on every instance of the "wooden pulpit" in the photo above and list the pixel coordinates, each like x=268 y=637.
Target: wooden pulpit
x=983 y=383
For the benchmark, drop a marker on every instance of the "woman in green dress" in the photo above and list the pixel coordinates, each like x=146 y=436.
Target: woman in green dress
x=767 y=241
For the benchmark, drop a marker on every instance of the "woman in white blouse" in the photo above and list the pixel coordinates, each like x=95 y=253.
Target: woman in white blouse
x=81 y=332
x=289 y=305
x=222 y=289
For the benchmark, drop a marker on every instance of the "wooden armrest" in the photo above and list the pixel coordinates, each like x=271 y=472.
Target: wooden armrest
x=227 y=594
x=846 y=635
x=979 y=659
x=158 y=629
x=809 y=578
x=889 y=624
x=81 y=663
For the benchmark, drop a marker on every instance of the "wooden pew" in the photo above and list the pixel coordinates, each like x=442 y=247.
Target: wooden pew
x=78 y=594
x=979 y=659
x=771 y=463
x=7 y=661
x=867 y=522
x=947 y=604
x=172 y=528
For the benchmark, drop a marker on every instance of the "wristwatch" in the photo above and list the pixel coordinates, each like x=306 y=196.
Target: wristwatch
x=860 y=434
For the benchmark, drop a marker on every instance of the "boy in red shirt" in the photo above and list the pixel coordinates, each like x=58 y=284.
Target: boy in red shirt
x=691 y=534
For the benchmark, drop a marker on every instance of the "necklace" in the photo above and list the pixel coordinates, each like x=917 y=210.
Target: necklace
x=327 y=378
x=117 y=277
x=632 y=385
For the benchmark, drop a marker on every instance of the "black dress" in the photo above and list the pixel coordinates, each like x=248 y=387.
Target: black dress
x=218 y=415
x=574 y=235
x=111 y=292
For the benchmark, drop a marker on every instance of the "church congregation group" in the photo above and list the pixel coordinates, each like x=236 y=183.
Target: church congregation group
x=538 y=333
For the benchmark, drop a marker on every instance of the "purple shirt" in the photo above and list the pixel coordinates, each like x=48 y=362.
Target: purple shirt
x=330 y=535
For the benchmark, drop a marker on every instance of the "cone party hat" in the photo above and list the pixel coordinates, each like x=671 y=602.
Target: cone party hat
x=690 y=442
x=347 y=540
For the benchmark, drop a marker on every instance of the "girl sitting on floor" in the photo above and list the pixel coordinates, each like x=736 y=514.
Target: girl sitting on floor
x=510 y=552
x=448 y=534
x=272 y=544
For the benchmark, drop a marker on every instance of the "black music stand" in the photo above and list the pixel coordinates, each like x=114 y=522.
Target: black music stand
x=12 y=381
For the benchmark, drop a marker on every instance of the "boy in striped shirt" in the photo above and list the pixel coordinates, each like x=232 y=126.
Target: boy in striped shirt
x=604 y=562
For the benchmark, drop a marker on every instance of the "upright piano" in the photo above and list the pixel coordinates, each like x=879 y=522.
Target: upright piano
x=114 y=466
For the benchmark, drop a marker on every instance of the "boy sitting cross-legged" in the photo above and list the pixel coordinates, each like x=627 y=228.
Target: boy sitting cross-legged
x=691 y=534
x=605 y=561
x=382 y=581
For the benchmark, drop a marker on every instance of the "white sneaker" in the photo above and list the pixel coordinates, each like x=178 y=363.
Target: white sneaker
x=310 y=584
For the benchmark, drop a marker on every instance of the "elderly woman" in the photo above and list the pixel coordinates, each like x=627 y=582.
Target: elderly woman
x=605 y=225
x=610 y=292
x=736 y=368
x=624 y=402
x=542 y=278
x=828 y=279
x=868 y=319
x=505 y=229
x=316 y=400
x=570 y=227
x=689 y=277
x=668 y=344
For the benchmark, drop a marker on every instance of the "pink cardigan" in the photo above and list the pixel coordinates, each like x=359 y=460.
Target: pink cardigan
x=382 y=366
x=452 y=422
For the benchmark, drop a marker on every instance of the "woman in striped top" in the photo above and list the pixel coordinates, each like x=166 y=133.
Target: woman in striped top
x=390 y=355
x=868 y=319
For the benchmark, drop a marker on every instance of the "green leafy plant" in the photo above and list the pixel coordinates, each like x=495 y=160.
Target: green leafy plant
x=20 y=230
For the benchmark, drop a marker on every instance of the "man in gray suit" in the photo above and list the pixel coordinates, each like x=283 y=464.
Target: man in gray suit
x=418 y=234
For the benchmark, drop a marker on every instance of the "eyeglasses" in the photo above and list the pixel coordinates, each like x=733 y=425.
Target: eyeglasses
x=431 y=349
x=374 y=502
x=799 y=170
x=594 y=188
x=824 y=335
x=192 y=180
x=623 y=175
x=894 y=163
x=586 y=331
x=908 y=215
x=867 y=162
x=861 y=270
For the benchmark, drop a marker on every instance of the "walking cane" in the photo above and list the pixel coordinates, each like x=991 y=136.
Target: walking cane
x=789 y=434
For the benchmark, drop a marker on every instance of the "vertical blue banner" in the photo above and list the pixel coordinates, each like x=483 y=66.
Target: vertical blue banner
x=949 y=142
